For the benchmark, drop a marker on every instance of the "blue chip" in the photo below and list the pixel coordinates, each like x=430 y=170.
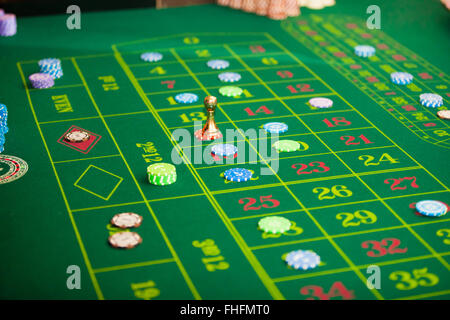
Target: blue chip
x=49 y=63
x=431 y=100
x=151 y=56
x=218 y=64
x=302 y=259
x=238 y=174
x=229 y=76
x=401 y=78
x=224 y=150
x=431 y=208
x=276 y=127
x=364 y=51
x=186 y=98
x=55 y=73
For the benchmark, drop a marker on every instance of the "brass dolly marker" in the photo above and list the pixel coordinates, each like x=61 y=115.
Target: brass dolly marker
x=210 y=130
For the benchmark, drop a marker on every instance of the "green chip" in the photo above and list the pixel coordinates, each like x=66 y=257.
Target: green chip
x=286 y=145
x=161 y=169
x=162 y=180
x=230 y=91
x=274 y=224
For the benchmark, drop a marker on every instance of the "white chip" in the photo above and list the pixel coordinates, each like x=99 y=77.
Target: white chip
x=218 y=64
x=321 y=102
x=77 y=136
x=125 y=240
x=126 y=220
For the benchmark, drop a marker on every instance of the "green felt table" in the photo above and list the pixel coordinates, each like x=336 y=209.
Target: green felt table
x=349 y=191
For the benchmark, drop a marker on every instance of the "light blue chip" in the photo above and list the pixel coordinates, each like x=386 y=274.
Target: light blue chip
x=401 y=78
x=364 y=51
x=151 y=56
x=49 y=63
x=218 y=64
x=224 y=150
x=302 y=259
x=431 y=100
x=186 y=98
x=229 y=77
x=431 y=208
x=238 y=174
x=276 y=127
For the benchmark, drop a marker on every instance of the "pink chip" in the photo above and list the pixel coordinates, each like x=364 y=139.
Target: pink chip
x=2 y=12
x=321 y=102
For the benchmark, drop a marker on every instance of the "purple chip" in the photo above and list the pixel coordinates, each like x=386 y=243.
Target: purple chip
x=41 y=80
x=8 y=25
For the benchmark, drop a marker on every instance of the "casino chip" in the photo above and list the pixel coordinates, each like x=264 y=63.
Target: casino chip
x=229 y=76
x=444 y=114
x=224 y=150
x=431 y=100
x=401 y=78
x=230 y=91
x=321 y=102
x=77 y=136
x=51 y=66
x=125 y=240
x=431 y=208
x=274 y=224
x=186 y=98
x=286 y=146
x=218 y=64
x=8 y=25
x=238 y=174
x=302 y=259
x=126 y=220
x=162 y=174
x=161 y=169
x=364 y=51
x=41 y=80
x=151 y=56
x=275 y=127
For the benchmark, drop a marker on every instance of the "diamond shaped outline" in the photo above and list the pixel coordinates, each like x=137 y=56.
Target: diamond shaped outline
x=93 y=193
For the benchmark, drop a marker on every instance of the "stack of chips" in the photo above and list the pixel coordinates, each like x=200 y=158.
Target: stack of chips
x=161 y=174
x=8 y=24
x=276 y=9
x=52 y=67
x=3 y=125
x=41 y=80
x=273 y=9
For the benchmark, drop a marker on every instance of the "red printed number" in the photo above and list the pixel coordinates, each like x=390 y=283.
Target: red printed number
x=302 y=87
x=285 y=74
x=383 y=247
x=350 y=140
x=303 y=166
x=170 y=83
x=257 y=48
x=249 y=202
x=337 y=121
x=396 y=183
x=262 y=109
x=336 y=290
